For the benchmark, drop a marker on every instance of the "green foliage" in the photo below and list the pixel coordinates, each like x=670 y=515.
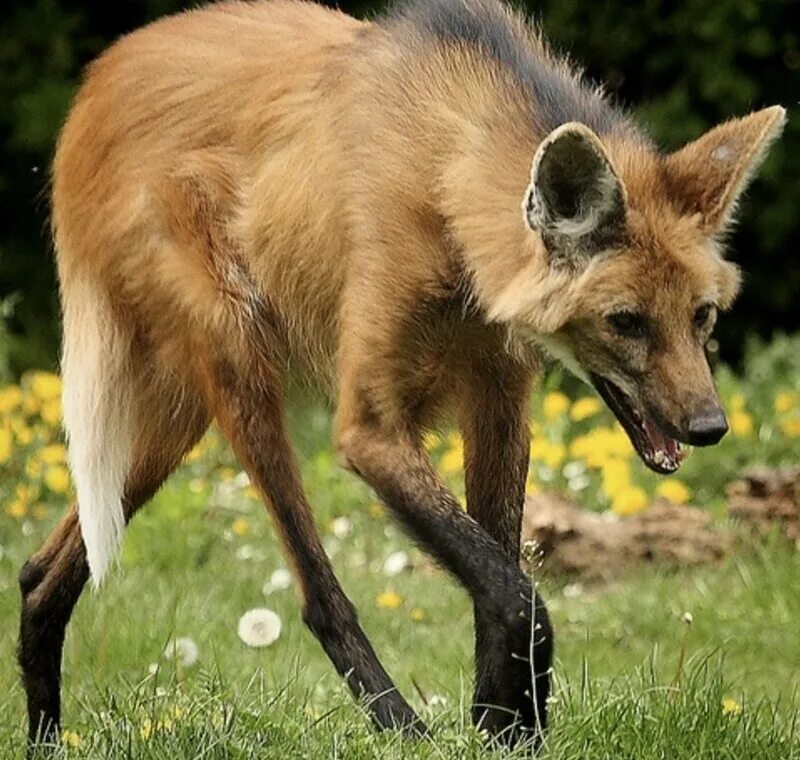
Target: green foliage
x=684 y=66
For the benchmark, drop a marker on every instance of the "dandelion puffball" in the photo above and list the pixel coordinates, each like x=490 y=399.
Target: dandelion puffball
x=280 y=580
x=183 y=650
x=259 y=627
x=395 y=563
x=341 y=527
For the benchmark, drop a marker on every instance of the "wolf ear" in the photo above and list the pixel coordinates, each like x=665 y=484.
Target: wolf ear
x=708 y=175
x=575 y=201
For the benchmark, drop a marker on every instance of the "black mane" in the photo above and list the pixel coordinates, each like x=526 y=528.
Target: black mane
x=558 y=93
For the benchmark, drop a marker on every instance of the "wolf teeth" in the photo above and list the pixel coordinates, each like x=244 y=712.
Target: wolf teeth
x=659 y=457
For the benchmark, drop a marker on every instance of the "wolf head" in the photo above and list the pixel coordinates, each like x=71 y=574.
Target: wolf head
x=635 y=277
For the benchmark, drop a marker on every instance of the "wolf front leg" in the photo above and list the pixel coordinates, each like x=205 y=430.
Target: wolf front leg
x=496 y=434
x=510 y=615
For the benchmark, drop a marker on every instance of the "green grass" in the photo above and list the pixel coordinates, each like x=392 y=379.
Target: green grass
x=185 y=573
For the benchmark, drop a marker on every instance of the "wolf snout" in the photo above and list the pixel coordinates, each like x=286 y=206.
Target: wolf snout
x=707 y=426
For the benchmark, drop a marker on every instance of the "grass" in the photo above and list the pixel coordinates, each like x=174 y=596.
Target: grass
x=198 y=556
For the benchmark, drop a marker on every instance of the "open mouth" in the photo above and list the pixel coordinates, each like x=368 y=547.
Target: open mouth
x=659 y=451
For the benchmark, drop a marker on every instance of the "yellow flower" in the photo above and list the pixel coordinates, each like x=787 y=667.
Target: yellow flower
x=389 y=600
x=240 y=527
x=731 y=707
x=226 y=473
x=17 y=508
x=674 y=490
x=555 y=404
x=551 y=454
x=790 y=428
x=629 y=501
x=70 y=738
x=453 y=459
x=737 y=401
x=56 y=478
x=10 y=398
x=417 y=615
x=741 y=423
x=51 y=411
x=251 y=492
x=45 y=385
x=532 y=487
x=31 y=405
x=55 y=453
x=33 y=467
x=22 y=432
x=584 y=408
x=146 y=729
x=616 y=477
x=6 y=445
x=785 y=401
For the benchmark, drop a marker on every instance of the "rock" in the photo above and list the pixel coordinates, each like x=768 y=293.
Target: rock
x=767 y=500
x=596 y=546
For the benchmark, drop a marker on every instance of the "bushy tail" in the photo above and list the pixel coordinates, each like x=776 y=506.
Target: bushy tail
x=99 y=417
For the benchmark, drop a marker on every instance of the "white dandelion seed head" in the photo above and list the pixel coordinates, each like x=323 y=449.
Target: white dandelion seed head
x=152 y=668
x=183 y=650
x=395 y=563
x=688 y=618
x=259 y=627
x=241 y=480
x=280 y=580
x=437 y=700
x=341 y=527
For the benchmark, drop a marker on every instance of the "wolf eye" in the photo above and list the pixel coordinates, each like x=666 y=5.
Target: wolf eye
x=628 y=324
x=703 y=315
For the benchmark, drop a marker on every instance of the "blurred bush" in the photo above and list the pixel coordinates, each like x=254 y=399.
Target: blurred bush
x=684 y=66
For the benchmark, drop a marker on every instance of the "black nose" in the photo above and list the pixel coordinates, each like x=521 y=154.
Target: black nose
x=707 y=428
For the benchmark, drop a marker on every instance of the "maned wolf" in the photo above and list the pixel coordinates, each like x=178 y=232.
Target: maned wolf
x=405 y=212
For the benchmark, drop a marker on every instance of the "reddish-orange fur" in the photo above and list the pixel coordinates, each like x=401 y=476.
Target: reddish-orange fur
x=250 y=190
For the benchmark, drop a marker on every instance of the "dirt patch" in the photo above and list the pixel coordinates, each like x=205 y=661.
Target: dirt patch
x=766 y=500
x=597 y=546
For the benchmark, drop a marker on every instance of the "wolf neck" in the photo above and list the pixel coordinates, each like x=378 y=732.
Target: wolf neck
x=500 y=92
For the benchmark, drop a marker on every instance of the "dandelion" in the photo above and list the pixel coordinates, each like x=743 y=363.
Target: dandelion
x=418 y=615
x=17 y=508
x=554 y=405
x=437 y=700
x=56 y=478
x=70 y=738
x=737 y=401
x=51 y=412
x=790 y=428
x=240 y=526
x=10 y=398
x=183 y=650
x=6 y=445
x=585 y=407
x=259 y=627
x=674 y=490
x=741 y=423
x=280 y=580
x=453 y=459
x=616 y=477
x=389 y=600
x=629 y=501
x=731 y=707
x=395 y=563
x=785 y=401
x=45 y=386
x=341 y=527
x=55 y=453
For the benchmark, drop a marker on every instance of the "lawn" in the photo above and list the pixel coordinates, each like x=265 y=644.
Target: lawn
x=199 y=555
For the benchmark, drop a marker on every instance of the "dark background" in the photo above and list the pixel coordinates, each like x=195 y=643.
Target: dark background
x=682 y=66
